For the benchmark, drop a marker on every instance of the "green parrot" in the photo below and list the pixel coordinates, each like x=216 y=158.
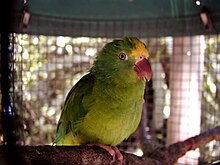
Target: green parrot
x=104 y=107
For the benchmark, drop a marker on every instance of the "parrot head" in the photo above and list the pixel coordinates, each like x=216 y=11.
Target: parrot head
x=123 y=60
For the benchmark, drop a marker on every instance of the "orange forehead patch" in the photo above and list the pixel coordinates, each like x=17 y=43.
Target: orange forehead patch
x=140 y=50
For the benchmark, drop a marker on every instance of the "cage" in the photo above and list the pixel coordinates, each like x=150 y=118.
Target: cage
x=50 y=46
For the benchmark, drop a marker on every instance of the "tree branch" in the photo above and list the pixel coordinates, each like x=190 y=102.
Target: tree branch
x=85 y=155
x=192 y=143
x=173 y=152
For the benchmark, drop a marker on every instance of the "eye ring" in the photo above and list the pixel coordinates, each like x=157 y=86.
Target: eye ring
x=122 y=56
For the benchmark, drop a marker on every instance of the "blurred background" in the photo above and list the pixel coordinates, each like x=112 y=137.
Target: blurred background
x=47 y=46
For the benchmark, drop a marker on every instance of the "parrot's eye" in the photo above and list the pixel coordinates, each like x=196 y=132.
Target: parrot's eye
x=122 y=56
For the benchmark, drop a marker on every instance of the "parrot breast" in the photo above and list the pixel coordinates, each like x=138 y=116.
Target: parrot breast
x=114 y=116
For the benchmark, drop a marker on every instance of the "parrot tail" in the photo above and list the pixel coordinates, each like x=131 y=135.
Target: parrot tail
x=58 y=135
x=66 y=139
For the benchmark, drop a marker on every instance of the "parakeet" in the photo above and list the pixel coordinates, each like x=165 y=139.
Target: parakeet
x=104 y=107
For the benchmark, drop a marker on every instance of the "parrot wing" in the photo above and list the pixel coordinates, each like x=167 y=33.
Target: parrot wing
x=76 y=106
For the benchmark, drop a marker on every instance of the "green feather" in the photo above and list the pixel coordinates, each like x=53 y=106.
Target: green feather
x=105 y=105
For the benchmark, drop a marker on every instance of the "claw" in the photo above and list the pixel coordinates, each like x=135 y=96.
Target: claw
x=113 y=151
x=118 y=154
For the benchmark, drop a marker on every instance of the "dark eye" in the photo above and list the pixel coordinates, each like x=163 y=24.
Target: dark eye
x=122 y=56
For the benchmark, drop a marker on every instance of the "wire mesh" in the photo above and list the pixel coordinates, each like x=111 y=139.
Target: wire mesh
x=48 y=66
x=182 y=98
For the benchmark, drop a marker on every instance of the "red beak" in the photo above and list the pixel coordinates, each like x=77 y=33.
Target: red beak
x=142 y=68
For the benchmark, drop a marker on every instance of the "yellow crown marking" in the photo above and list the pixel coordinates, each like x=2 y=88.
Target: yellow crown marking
x=140 y=50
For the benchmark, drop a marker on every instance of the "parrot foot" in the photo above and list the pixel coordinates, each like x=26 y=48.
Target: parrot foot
x=112 y=150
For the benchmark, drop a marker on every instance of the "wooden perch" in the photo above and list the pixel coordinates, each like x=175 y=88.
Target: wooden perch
x=84 y=155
